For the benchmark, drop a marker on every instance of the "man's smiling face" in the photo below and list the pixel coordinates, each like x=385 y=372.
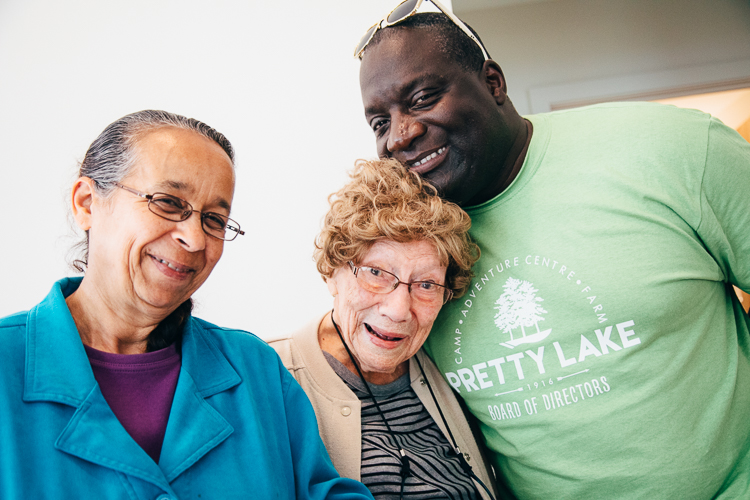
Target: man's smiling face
x=430 y=113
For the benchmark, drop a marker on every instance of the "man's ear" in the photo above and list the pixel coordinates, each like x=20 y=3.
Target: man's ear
x=495 y=81
x=82 y=201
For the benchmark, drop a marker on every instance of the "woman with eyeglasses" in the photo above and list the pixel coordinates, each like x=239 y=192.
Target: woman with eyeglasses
x=392 y=252
x=109 y=388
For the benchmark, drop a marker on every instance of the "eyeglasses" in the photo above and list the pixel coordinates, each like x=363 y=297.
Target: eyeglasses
x=406 y=9
x=376 y=280
x=176 y=209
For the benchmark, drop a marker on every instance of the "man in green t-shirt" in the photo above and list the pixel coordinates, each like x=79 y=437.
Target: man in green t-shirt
x=601 y=347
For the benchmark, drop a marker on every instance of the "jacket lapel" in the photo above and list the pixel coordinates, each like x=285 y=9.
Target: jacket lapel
x=94 y=434
x=58 y=370
x=195 y=427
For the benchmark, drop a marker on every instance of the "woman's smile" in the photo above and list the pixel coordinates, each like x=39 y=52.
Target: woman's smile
x=172 y=269
x=384 y=330
x=388 y=340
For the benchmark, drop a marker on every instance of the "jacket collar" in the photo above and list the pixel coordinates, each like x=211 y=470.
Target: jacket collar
x=206 y=364
x=321 y=372
x=314 y=360
x=58 y=370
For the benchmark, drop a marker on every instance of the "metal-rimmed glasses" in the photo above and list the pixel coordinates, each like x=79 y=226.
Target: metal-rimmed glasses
x=376 y=280
x=176 y=209
x=403 y=11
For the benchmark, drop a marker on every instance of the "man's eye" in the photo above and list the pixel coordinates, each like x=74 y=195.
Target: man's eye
x=377 y=124
x=424 y=99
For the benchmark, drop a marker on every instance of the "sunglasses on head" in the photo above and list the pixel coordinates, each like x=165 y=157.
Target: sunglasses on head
x=403 y=11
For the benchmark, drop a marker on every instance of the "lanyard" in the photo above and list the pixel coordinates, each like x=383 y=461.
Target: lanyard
x=405 y=470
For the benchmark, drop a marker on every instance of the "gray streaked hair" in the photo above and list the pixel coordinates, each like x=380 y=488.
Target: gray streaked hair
x=112 y=156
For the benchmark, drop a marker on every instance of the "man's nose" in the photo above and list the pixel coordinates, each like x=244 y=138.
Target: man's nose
x=404 y=130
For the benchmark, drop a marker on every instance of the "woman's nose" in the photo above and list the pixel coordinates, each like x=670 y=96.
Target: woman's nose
x=190 y=234
x=397 y=304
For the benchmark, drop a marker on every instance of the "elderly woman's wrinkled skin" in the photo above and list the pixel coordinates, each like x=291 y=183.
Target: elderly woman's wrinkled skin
x=384 y=330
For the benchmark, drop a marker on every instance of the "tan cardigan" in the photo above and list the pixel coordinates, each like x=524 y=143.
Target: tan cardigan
x=338 y=409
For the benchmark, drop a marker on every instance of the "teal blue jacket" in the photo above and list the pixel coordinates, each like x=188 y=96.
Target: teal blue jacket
x=240 y=425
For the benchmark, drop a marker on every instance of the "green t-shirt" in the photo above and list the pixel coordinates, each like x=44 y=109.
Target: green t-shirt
x=600 y=345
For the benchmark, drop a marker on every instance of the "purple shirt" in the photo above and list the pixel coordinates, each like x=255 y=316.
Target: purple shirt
x=139 y=389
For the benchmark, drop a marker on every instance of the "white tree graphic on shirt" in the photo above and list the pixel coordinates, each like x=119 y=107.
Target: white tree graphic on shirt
x=519 y=306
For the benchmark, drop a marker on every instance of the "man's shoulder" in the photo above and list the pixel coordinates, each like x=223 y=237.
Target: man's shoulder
x=666 y=128
x=622 y=111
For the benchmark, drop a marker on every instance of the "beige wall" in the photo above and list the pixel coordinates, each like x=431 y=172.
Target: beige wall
x=581 y=48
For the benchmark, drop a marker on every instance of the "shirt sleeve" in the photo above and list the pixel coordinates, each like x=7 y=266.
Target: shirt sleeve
x=725 y=203
x=314 y=474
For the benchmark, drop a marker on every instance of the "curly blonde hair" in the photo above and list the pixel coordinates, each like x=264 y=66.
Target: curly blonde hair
x=386 y=201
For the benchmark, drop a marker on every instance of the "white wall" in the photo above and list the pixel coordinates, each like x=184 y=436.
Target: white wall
x=278 y=78
x=573 y=49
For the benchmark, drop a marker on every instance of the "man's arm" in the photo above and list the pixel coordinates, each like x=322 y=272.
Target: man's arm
x=725 y=204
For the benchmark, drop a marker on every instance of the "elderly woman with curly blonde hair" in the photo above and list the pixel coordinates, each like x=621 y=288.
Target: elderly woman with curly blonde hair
x=392 y=252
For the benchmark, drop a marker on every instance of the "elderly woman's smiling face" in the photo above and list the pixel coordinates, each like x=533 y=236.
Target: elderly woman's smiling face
x=384 y=330
x=144 y=262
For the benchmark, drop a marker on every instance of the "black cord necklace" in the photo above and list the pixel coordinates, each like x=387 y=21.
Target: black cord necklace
x=405 y=470
x=461 y=459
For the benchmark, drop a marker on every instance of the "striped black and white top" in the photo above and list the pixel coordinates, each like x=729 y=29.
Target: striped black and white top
x=435 y=470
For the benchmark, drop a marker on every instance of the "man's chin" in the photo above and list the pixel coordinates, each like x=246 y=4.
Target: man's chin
x=448 y=186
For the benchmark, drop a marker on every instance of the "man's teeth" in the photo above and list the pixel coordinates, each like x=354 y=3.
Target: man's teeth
x=429 y=157
x=170 y=265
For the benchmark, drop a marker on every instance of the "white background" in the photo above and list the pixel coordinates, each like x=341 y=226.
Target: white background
x=278 y=78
